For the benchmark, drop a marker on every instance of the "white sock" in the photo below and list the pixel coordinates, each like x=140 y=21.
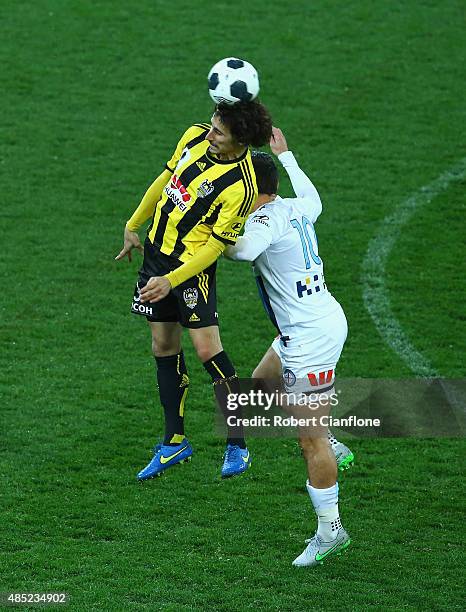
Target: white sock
x=325 y=502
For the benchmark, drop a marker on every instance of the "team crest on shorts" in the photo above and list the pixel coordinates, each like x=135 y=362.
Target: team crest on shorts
x=289 y=377
x=190 y=297
x=204 y=189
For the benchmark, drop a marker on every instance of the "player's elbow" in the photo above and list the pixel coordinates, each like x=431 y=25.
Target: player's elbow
x=242 y=256
x=242 y=250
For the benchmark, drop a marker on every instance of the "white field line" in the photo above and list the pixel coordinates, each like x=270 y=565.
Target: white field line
x=374 y=291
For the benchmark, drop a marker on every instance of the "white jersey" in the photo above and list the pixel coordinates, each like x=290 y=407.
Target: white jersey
x=280 y=239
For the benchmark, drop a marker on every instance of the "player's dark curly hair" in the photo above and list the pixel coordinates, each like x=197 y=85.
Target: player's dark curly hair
x=266 y=172
x=250 y=123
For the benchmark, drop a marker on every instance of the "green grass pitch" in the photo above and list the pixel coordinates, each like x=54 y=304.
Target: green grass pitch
x=95 y=95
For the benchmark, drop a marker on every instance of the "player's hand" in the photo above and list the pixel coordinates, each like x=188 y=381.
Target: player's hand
x=156 y=289
x=130 y=241
x=278 y=142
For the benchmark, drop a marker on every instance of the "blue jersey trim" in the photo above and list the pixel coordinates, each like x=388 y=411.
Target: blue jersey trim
x=266 y=302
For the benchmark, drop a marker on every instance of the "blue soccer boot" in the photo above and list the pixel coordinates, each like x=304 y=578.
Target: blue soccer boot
x=166 y=456
x=236 y=460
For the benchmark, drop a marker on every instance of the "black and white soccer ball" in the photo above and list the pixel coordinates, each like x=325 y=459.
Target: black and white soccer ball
x=233 y=80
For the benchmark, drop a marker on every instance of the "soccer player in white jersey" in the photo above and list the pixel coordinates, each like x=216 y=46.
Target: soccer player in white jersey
x=280 y=239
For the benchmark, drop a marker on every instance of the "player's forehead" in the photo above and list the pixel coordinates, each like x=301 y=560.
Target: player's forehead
x=219 y=126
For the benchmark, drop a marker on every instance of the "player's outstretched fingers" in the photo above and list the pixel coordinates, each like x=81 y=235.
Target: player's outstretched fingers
x=122 y=254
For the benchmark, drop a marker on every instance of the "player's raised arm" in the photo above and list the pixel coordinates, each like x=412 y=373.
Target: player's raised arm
x=301 y=183
x=248 y=247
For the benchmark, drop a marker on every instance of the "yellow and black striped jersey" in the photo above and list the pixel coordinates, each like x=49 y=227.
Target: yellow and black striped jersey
x=204 y=197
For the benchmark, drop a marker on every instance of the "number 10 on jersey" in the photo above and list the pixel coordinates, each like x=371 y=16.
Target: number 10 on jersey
x=308 y=238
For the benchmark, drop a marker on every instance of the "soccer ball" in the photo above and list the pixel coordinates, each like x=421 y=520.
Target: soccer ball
x=233 y=80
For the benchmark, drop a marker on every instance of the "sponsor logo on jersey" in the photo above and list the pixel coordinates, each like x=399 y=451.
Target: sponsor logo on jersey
x=289 y=377
x=190 y=297
x=261 y=219
x=230 y=235
x=233 y=231
x=309 y=286
x=204 y=189
x=177 y=192
x=201 y=166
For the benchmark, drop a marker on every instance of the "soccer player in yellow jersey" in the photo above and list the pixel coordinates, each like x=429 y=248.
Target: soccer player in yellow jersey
x=198 y=206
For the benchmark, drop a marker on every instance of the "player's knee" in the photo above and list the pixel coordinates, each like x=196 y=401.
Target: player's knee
x=162 y=347
x=206 y=342
x=207 y=347
x=207 y=350
x=312 y=445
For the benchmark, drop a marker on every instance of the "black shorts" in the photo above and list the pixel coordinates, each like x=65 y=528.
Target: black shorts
x=193 y=304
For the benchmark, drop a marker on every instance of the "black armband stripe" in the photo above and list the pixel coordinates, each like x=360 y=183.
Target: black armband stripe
x=221 y=239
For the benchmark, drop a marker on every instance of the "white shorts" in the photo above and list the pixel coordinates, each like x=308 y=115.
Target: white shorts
x=309 y=360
